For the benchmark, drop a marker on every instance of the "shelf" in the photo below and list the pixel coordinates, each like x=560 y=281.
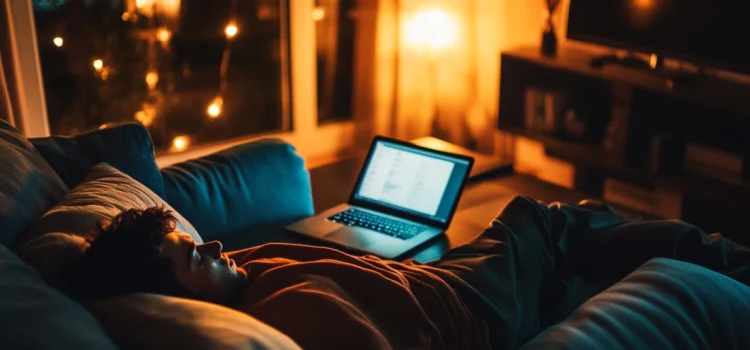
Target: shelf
x=587 y=154
x=707 y=90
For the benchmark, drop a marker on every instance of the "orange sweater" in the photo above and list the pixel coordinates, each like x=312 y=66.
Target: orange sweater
x=326 y=299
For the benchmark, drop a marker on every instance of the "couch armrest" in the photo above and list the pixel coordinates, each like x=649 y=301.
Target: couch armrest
x=256 y=184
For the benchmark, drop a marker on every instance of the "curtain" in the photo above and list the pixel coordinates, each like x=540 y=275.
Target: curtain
x=6 y=113
x=449 y=91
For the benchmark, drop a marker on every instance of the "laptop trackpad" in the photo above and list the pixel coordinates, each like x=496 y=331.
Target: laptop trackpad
x=351 y=237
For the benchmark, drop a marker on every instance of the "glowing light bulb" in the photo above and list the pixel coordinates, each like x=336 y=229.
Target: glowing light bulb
x=146 y=116
x=180 y=143
x=163 y=35
x=144 y=3
x=98 y=64
x=58 y=41
x=125 y=16
x=214 y=109
x=433 y=28
x=318 y=13
x=152 y=78
x=231 y=30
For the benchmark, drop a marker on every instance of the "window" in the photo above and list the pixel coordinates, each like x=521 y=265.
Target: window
x=336 y=30
x=192 y=71
x=296 y=118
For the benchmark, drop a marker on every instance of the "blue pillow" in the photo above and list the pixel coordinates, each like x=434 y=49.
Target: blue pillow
x=664 y=304
x=28 y=186
x=256 y=184
x=126 y=147
x=33 y=315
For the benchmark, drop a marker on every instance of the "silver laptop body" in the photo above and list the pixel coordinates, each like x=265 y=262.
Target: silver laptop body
x=404 y=196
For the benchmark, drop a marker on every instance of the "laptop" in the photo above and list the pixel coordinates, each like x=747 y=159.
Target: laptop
x=404 y=195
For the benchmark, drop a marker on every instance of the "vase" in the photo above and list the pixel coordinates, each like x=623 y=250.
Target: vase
x=549 y=36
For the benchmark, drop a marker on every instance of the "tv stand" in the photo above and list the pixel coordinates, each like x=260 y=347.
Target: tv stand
x=629 y=61
x=675 y=142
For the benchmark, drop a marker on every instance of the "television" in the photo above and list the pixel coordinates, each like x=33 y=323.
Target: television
x=705 y=32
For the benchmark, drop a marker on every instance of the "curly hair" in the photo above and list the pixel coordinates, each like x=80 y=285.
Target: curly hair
x=125 y=258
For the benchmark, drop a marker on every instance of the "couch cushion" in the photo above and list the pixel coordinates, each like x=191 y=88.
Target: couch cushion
x=59 y=237
x=28 y=186
x=150 y=321
x=33 y=315
x=257 y=184
x=126 y=147
x=664 y=304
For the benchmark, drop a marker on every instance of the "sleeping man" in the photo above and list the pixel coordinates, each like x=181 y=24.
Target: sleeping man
x=496 y=292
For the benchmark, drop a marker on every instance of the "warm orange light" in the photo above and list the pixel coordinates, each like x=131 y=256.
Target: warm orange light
x=144 y=3
x=180 y=143
x=644 y=4
x=433 y=28
x=58 y=41
x=231 y=30
x=146 y=116
x=104 y=73
x=98 y=64
x=152 y=79
x=214 y=109
x=126 y=16
x=163 y=35
x=318 y=13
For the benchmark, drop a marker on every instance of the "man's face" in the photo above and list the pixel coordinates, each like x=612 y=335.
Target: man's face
x=202 y=269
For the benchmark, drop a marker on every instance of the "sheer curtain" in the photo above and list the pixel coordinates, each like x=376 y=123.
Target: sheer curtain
x=6 y=113
x=446 y=89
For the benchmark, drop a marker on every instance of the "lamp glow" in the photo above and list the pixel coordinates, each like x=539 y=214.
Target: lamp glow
x=180 y=143
x=318 y=13
x=214 y=109
x=98 y=64
x=231 y=30
x=151 y=80
x=433 y=28
x=58 y=41
x=125 y=16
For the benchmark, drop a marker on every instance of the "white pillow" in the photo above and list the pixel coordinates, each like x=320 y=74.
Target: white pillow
x=151 y=321
x=59 y=237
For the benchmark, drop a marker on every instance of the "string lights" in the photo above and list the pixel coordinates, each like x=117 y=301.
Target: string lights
x=180 y=143
x=230 y=30
x=152 y=78
x=98 y=64
x=216 y=106
x=58 y=41
x=162 y=34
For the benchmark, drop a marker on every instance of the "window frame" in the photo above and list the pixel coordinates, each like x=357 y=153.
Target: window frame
x=315 y=142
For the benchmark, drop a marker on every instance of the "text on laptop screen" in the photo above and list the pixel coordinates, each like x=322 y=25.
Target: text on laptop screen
x=417 y=181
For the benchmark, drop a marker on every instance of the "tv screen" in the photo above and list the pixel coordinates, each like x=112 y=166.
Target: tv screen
x=706 y=32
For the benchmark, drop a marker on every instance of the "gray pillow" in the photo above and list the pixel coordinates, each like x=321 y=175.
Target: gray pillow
x=59 y=237
x=150 y=321
x=33 y=315
x=28 y=185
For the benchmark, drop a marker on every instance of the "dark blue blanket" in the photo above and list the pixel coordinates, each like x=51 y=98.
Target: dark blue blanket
x=684 y=289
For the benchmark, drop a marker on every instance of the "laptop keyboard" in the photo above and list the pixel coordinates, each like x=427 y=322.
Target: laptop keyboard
x=393 y=228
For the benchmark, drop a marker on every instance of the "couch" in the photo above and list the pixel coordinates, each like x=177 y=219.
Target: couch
x=53 y=190
x=241 y=196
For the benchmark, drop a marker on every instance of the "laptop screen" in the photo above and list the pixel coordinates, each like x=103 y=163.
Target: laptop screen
x=413 y=180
